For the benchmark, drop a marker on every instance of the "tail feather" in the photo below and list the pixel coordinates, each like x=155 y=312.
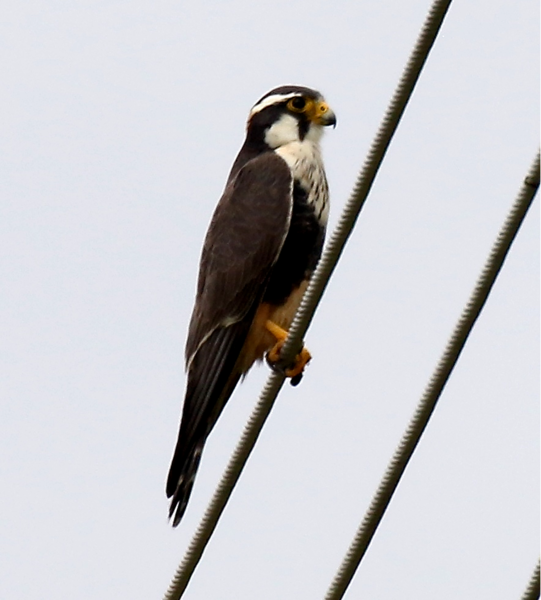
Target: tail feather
x=183 y=490
x=211 y=381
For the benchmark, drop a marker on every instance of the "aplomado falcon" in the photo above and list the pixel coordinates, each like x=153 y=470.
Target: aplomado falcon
x=261 y=248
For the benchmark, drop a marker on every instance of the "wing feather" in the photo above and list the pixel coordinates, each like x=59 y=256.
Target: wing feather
x=243 y=242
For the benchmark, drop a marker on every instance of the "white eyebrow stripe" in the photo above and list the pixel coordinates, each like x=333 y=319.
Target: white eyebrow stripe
x=270 y=100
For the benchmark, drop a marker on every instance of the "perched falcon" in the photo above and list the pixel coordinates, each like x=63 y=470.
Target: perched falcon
x=261 y=248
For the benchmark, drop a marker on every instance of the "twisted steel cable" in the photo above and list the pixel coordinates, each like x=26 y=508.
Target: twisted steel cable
x=532 y=591
x=427 y=404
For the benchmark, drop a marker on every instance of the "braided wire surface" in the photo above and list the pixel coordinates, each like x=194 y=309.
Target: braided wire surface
x=532 y=591
x=432 y=393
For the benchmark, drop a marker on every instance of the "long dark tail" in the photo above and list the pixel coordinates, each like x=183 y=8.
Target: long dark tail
x=183 y=483
x=211 y=380
x=186 y=462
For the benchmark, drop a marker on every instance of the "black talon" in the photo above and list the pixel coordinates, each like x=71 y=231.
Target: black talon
x=280 y=367
x=296 y=380
x=277 y=366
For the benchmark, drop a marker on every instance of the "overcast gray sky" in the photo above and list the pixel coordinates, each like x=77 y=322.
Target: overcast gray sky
x=120 y=121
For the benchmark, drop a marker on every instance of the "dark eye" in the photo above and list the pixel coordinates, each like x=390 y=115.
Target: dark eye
x=298 y=103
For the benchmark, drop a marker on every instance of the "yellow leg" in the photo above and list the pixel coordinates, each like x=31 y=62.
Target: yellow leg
x=273 y=356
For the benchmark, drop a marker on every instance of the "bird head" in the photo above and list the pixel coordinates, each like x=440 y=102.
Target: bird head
x=288 y=114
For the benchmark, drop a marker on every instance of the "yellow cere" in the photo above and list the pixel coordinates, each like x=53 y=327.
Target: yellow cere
x=314 y=110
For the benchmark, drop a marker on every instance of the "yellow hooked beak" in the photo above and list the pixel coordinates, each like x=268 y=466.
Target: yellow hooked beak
x=321 y=113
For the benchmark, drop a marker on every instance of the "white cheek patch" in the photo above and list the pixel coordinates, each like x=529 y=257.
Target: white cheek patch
x=284 y=131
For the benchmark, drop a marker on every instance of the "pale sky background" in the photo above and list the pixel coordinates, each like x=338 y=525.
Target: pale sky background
x=120 y=121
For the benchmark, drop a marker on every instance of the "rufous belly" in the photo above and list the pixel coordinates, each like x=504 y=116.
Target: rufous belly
x=260 y=340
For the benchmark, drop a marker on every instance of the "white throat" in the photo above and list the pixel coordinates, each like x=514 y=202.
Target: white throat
x=304 y=160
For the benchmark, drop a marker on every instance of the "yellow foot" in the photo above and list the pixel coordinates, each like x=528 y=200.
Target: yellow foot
x=273 y=356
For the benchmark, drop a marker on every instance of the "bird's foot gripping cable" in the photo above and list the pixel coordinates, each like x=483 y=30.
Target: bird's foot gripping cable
x=294 y=370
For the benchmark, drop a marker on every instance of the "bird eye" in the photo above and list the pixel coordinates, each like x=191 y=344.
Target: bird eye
x=297 y=104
